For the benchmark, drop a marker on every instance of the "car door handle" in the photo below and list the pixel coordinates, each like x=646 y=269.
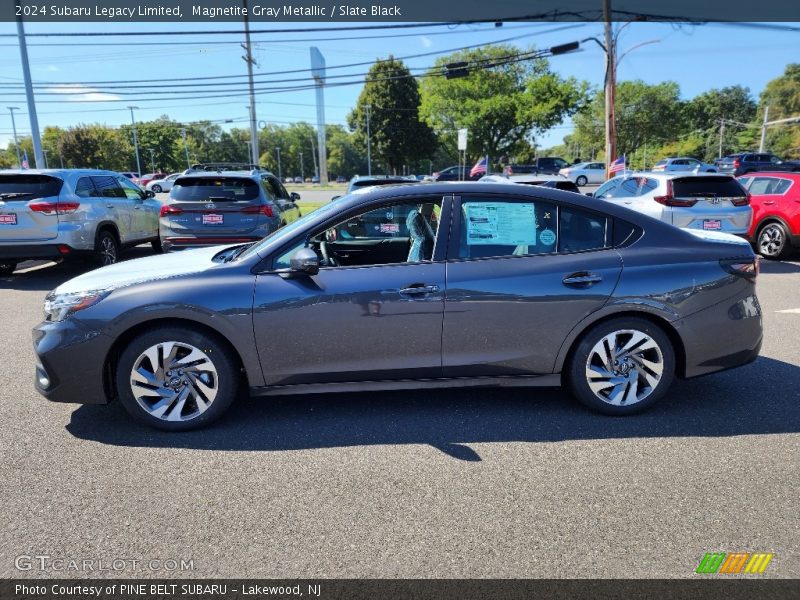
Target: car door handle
x=109 y=206
x=582 y=279
x=419 y=288
x=136 y=207
x=769 y=201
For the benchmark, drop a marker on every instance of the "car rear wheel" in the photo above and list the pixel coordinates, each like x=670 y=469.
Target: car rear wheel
x=156 y=245
x=157 y=189
x=7 y=268
x=106 y=248
x=772 y=240
x=622 y=366
x=581 y=181
x=176 y=379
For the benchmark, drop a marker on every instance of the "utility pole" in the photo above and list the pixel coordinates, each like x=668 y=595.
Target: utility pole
x=368 y=107
x=764 y=129
x=302 y=173
x=11 y=109
x=136 y=142
x=26 y=74
x=278 y=150
x=611 y=87
x=721 y=135
x=248 y=58
x=186 y=147
x=152 y=159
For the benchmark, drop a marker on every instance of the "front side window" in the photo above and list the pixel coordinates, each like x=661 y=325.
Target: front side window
x=131 y=190
x=608 y=188
x=107 y=187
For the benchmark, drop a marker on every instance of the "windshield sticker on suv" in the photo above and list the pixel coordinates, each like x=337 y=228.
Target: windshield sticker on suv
x=502 y=223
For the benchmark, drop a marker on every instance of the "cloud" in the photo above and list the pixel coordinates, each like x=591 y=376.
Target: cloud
x=426 y=41
x=75 y=92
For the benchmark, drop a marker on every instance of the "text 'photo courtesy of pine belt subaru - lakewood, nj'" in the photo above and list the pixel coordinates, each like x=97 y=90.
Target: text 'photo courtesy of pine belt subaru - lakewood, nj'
x=410 y=286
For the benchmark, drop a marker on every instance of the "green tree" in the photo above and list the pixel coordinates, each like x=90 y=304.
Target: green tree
x=397 y=135
x=96 y=146
x=782 y=95
x=503 y=107
x=703 y=115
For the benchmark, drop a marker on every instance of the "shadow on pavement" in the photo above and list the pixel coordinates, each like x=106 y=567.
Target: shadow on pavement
x=784 y=266
x=761 y=398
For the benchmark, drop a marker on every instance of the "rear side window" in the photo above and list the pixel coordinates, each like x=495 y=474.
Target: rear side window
x=107 y=187
x=636 y=186
x=700 y=187
x=580 y=230
x=27 y=187
x=769 y=186
x=84 y=188
x=218 y=189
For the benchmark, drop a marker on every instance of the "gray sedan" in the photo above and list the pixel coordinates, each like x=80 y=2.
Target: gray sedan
x=418 y=286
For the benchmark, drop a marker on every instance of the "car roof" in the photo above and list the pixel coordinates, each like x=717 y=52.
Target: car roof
x=58 y=172
x=216 y=174
x=782 y=174
x=670 y=175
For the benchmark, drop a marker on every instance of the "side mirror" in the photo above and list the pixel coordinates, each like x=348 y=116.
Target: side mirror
x=294 y=196
x=149 y=194
x=335 y=198
x=305 y=261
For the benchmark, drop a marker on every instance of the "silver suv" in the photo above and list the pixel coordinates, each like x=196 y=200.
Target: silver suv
x=61 y=213
x=708 y=201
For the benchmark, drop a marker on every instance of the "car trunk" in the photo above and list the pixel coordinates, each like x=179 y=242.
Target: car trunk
x=209 y=206
x=29 y=209
x=712 y=203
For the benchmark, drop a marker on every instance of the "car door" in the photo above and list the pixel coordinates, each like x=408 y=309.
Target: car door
x=521 y=273
x=116 y=205
x=145 y=210
x=376 y=321
x=596 y=173
x=284 y=201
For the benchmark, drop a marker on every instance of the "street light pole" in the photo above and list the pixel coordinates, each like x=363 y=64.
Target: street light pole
x=764 y=129
x=136 y=141
x=26 y=75
x=368 y=107
x=11 y=109
x=302 y=173
x=186 y=148
x=279 y=164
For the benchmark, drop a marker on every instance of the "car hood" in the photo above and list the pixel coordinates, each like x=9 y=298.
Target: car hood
x=131 y=272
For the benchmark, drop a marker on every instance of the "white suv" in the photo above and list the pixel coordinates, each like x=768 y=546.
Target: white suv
x=61 y=213
x=710 y=202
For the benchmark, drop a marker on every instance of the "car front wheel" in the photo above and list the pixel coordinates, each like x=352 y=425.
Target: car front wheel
x=581 y=181
x=772 y=241
x=176 y=379
x=622 y=366
x=157 y=189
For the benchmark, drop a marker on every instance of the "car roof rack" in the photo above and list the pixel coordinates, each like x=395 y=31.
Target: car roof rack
x=218 y=167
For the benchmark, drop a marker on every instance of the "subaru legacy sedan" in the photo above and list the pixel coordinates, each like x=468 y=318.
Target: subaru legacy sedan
x=413 y=286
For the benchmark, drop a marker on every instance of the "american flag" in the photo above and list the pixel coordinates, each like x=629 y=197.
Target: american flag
x=25 y=160
x=617 y=165
x=480 y=166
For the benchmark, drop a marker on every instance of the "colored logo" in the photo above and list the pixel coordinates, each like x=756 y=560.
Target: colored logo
x=734 y=562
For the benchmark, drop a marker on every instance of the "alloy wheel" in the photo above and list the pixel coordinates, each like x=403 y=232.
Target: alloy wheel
x=624 y=367
x=174 y=381
x=771 y=240
x=108 y=251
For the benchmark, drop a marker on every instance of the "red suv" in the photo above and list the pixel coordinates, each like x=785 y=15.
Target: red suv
x=775 y=198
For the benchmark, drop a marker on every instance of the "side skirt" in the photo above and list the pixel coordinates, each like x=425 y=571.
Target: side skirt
x=408 y=384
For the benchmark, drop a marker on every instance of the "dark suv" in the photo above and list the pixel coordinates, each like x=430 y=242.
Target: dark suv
x=546 y=164
x=747 y=162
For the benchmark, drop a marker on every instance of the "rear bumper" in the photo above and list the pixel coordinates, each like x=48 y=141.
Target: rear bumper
x=69 y=362
x=39 y=251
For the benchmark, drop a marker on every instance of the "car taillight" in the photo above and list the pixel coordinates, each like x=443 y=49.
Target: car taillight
x=736 y=164
x=669 y=198
x=743 y=201
x=265 y=209
x=436 y=174
x=749 y=268
x=54 y=208
x=168 y=209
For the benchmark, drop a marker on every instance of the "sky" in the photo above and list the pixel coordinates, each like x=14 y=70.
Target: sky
x=697 y=57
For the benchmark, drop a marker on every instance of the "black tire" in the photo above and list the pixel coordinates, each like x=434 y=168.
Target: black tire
x=157 y=189
x=581 y=181
x=106 y=248
x=577 y=379
x=7 y=268
x=226 y=378
x=156 y=245
x=772 y=240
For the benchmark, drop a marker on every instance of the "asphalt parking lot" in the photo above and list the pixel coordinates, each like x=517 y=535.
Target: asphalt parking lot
x=462 y=483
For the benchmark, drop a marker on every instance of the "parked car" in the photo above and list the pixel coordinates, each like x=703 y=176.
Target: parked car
x=64 y=213
x=131 y=175
x=341 y=179
x=298 y=179
x=775 y=199
x=456 y=173
x=585 y=173
x=683 y=163
x=360 y=182
x=148 y=177
x=558 y=182
x=315 y=179
x=208 y=208
x=542 y=288
x=710 y=201
x=542 y=165
x=162 y=185
x=748 y=162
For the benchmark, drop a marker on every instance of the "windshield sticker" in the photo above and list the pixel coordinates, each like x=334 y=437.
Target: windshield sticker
x=547 y=237
x=390 y=228
x=502 y=223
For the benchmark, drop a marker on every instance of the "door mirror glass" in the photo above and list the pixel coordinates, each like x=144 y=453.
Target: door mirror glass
x=149 y=194
x=305 y=261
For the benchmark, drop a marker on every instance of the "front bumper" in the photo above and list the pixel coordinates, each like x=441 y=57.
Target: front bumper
x=70 y=359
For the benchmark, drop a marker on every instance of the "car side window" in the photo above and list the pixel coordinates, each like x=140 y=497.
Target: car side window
x=107 y=187
x=769 y=186
x=84 y=188
x=608 y=189
x=131 y=190
x=282 y=193
x=497 y=228
x=579 y=230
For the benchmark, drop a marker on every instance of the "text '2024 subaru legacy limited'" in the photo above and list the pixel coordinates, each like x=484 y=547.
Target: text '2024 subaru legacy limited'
x=414 y=286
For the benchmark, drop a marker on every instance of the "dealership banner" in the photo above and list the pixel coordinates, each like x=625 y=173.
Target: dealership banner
x=397 y=589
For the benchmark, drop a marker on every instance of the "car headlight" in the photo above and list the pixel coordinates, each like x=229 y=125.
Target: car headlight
x=58 y=307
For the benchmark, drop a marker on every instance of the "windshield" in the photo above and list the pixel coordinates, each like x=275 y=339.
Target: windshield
x=28 y=186
x=295 y=226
